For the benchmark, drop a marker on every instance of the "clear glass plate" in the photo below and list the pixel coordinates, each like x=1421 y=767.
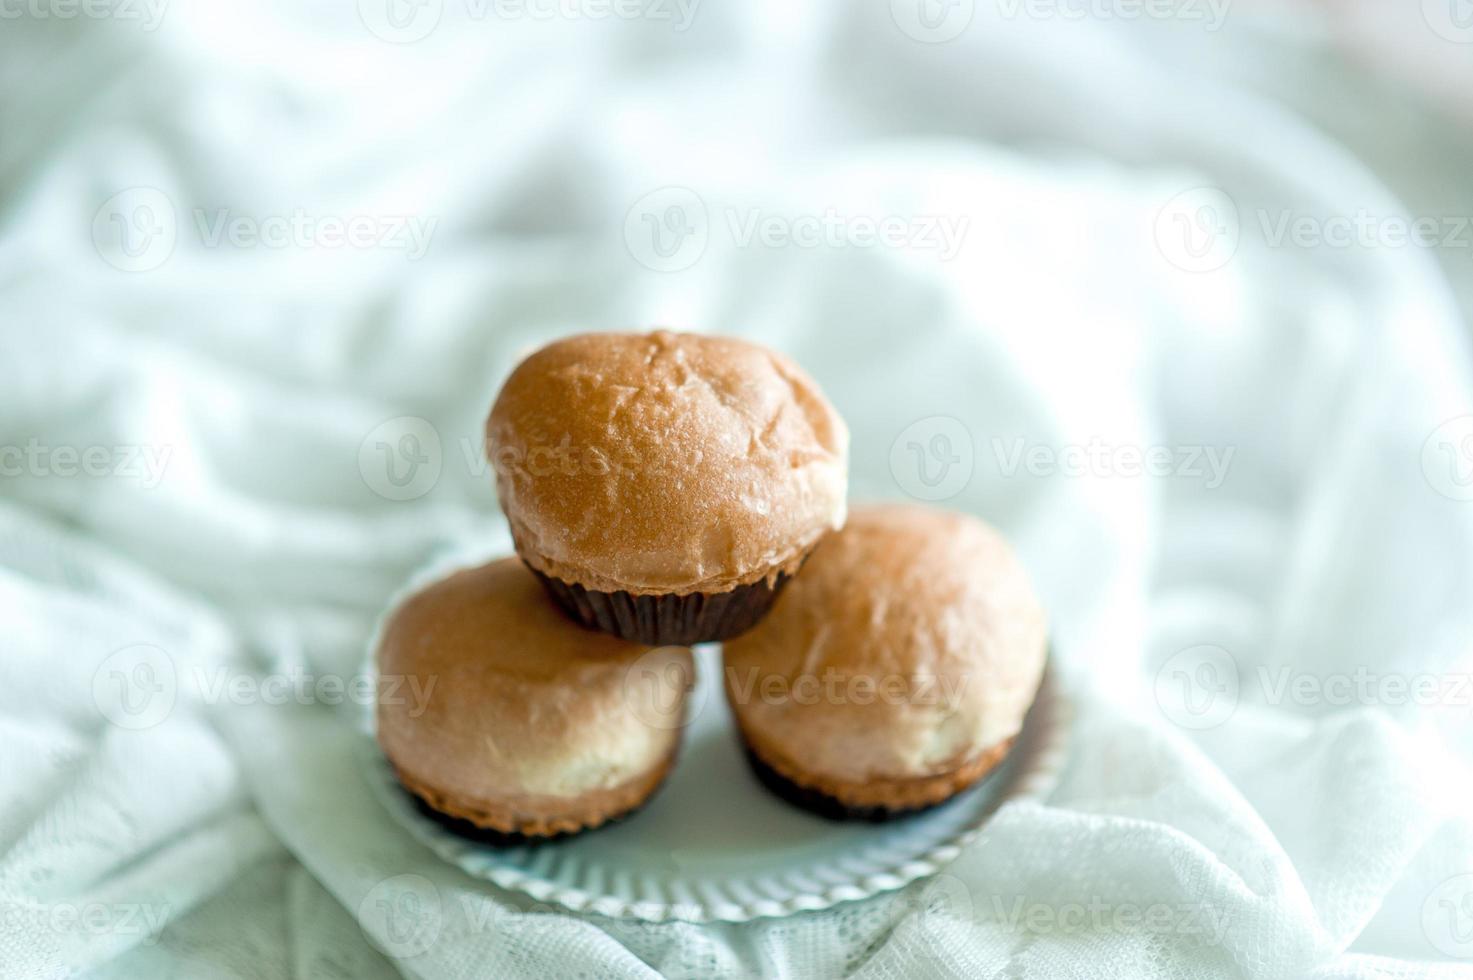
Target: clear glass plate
x=713 y=845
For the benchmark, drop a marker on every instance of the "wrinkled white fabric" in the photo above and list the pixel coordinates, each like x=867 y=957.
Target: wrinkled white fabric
x=245 y=529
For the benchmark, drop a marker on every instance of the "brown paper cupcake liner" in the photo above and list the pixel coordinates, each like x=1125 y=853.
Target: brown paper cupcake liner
x=500 y=838
x=669 y=619
x=510 y=825
x=908 y=798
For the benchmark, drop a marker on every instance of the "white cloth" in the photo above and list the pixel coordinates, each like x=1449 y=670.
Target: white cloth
x=241 y=533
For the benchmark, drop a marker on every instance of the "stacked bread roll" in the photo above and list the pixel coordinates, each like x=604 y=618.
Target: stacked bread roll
x=668 y=489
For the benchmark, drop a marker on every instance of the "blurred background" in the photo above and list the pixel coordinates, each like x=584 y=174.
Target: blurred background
x=1175 y=292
